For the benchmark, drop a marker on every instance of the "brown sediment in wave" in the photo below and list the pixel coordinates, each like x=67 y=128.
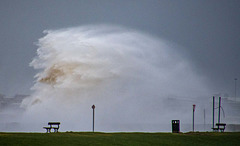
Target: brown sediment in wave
x=53 y=74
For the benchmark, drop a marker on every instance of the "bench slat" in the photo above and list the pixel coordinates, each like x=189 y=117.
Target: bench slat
x=57 y=123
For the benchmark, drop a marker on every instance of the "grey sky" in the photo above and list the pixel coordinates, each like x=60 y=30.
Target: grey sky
x=207 y=30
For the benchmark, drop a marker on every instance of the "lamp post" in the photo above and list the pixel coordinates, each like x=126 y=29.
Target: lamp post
x=193 y=115
x=93 y=107
x=213 y=111
x=219 y=110
x=204 y=118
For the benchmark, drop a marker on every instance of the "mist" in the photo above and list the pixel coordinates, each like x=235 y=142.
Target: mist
x=138 y=82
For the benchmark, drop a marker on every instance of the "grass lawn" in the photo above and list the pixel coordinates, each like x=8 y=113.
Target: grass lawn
x=129 y=139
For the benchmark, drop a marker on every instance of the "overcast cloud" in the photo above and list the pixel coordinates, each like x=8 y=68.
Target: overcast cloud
x=206 y=31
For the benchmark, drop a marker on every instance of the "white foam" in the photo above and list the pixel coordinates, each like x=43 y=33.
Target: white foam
x=125 y=73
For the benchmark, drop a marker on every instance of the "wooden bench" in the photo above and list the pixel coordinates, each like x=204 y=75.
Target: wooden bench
x=51 y=126
x=220 y=126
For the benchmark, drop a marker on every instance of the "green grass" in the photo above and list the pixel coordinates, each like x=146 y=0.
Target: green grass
x=129 y=139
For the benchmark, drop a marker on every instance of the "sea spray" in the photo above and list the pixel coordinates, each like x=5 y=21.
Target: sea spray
x=130 y=77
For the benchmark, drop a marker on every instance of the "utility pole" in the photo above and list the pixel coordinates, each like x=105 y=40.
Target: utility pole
x=219 y=109
x=204 y=117
x=193 y=115
x=213 y=111
x=93 y=107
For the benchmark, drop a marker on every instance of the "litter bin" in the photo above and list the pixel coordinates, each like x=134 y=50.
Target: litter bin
x=175 y=126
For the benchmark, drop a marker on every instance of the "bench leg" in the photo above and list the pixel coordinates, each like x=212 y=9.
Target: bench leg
x=48 y=130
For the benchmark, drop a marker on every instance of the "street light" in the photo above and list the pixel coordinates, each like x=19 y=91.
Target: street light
x=193 y=115
x=93 y=107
